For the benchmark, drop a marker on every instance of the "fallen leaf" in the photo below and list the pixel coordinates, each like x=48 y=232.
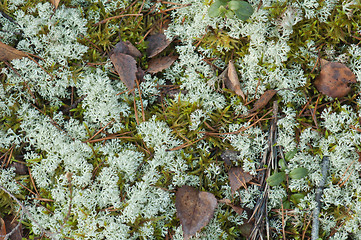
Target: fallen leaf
x=140 y=74
x=194 y=209
x=263 y=100
x=127 y=48
x=12 y=223
x=238 y=178
x=55 y=3
x=232 y=82
x=334 y=79
x=228 y=202
x=126 y=67
x=157 y=43
x=159 y=64
x=2 y=229
x=20 y=168
x=8 y=53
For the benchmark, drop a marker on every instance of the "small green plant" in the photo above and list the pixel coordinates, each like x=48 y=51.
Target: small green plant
x=243 y=10
x=278 y=177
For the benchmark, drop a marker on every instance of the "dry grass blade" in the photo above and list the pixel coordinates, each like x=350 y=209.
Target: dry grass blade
x=8 y=53
x=270 y=159
x=159 y=64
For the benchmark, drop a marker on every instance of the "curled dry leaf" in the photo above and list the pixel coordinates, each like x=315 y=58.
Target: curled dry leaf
x=126 y=67
x=8 y=53
x=157 y=43
x=238 y=178
x=127 y=48
x=230 y=78
x=233 y=82
x=55 y=3
x=263 y=100
x=159 y=64
x=334 y=79
x=194 y=209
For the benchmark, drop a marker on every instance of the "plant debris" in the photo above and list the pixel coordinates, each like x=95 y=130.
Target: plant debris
x=238 y=178
x=334 y=79
x=55 y=3
x=159 y=64
x=194 y=209
x=2 y=229
x=14 y=227
x=8 y=53
x=126 y=67
x=127 y=48
x=228 y=202
x=263 y=100
x=230 y=79
x=157 y=43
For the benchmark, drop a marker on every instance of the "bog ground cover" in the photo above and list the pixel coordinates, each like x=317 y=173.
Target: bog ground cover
x=180 y=119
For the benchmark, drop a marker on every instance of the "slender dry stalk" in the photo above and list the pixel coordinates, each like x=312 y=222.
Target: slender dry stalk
x=261 y=224
x=319 y=191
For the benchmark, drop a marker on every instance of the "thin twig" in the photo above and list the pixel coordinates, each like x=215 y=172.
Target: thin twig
x=319 y=191
x=27 y=213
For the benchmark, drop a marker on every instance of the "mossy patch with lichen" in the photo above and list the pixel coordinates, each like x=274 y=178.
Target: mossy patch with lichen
x=105 y=164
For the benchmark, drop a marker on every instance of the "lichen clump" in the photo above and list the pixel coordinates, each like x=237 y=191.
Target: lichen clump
x=105 y=163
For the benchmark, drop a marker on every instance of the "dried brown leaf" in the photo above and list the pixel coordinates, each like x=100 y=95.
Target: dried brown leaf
x=238 y=178
x=126 y=67
x=55 y=3
x=127 y=48
x=157 y=43
x=20 y=168
x=8 y=53
x=194 y=209
x=159 y=64
x=140 y=74
x=334 y=79
x=232 y=81
x=263 y=100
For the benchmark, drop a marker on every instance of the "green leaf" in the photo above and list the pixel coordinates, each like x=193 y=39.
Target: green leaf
x=282 y=164
x=289 y=155
x=296 y=198
x=244 y=9
x=276 y=179
x=286 y=205
x=235 y=5
x=214 y=9
x=298 y=173
x=229 y=14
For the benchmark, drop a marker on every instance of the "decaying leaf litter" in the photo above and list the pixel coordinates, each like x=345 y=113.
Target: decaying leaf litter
x=196 y=208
